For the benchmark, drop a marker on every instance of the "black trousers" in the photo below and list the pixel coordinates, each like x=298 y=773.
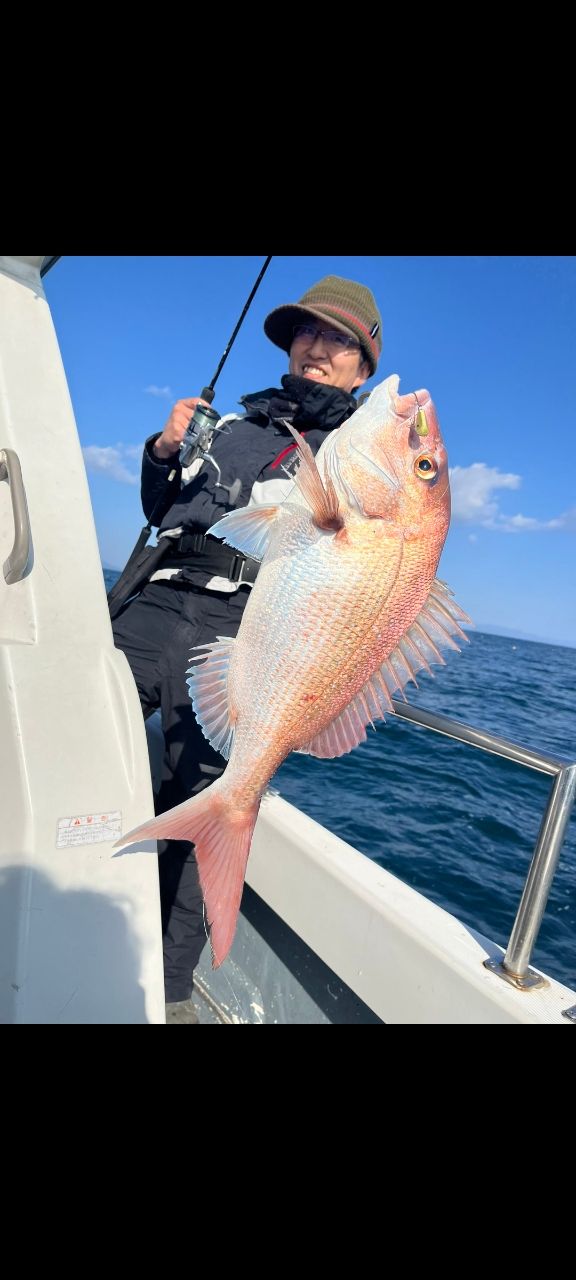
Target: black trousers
x=156 y=631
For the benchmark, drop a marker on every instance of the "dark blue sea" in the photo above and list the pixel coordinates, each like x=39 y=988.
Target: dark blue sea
x=456 y=823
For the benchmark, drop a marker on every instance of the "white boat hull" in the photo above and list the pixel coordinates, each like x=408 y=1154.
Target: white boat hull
x=80 y=938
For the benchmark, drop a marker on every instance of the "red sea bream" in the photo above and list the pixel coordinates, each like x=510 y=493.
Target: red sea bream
x=346 y=608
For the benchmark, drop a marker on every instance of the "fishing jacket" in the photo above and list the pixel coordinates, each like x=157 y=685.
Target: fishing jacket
x=255 y=448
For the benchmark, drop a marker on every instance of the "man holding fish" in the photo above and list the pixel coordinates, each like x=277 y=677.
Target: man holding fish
x=344 y=611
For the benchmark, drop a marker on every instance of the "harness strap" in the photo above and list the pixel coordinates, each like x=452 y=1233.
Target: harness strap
x=200 y=551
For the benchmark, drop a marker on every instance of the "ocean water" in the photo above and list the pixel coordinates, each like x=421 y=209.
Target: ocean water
x=457 y=824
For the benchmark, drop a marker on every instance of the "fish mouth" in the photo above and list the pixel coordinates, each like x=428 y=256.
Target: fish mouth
x=408 y=409
x=409 y=405
x=413 y=411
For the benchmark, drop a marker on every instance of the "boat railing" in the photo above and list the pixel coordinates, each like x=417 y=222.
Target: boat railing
x=514 y=967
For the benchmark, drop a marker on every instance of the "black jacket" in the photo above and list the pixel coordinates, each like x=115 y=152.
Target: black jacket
x=256 y=448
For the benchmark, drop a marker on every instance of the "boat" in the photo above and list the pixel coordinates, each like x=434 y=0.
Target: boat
x=325 y=935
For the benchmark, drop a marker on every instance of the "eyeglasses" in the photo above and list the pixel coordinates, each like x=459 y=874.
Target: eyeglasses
x=333 y=339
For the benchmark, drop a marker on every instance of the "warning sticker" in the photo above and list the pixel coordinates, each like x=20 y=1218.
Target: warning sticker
x=89 y=828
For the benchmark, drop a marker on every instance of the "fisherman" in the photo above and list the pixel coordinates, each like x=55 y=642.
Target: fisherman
x=333 y=336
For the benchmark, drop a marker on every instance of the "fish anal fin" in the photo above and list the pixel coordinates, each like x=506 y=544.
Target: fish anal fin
x=319 y=493
x=248 y=529
x=208 y=688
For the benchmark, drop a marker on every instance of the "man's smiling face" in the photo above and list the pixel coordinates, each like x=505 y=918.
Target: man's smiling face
x=316 y=354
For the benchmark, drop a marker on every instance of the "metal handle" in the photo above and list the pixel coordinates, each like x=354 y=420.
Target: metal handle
x=16 y=564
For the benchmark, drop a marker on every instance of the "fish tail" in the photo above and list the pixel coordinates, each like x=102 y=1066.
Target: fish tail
x=222 y=835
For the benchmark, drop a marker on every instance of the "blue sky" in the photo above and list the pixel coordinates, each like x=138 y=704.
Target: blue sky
x=492 y=338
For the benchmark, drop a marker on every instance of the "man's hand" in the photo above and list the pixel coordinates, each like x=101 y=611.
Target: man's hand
x=168 y=443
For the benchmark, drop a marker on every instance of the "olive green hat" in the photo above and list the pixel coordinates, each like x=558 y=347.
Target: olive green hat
x=343 y=304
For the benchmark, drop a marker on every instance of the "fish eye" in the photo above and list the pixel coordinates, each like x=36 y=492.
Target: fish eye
x=425 y=467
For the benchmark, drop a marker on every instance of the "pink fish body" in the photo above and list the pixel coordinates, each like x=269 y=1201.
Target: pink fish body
x=345 y=610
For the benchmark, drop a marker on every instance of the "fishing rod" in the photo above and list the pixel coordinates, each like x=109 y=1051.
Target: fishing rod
x=196 y=443
x=204 y=421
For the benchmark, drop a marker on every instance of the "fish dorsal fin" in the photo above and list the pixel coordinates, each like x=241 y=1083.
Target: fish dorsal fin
x=248 y=529
x=208 y=687
x=438 y=621
x=319 y=493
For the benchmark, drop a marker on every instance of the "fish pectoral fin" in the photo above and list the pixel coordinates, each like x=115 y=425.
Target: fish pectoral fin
x=248 y=529
x=208 y=688
x=435 y=627
x=319 y=493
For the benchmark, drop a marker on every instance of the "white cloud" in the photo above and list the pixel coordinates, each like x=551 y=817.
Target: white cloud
x=474 y=502
x=165 y=392
x=472 y=491
x=110 y=461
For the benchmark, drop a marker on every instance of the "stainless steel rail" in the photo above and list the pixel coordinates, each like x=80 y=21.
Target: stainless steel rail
x=514 y=967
